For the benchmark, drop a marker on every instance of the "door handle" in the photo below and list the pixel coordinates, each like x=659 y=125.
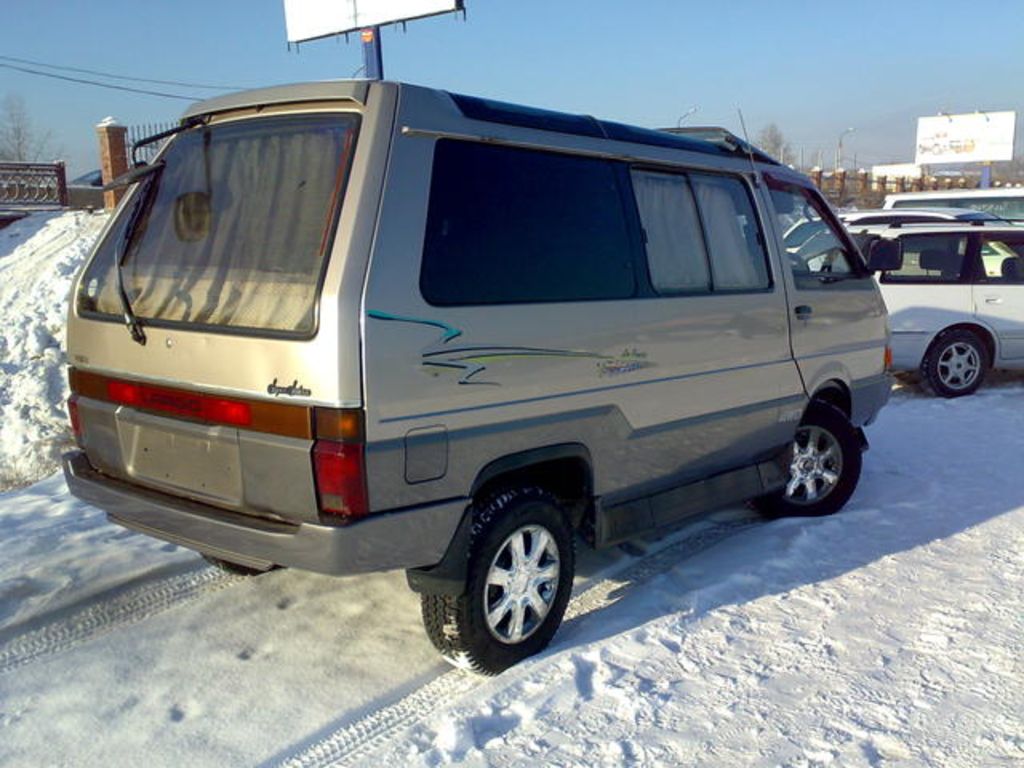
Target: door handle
x=803 y=311
x=993 y=299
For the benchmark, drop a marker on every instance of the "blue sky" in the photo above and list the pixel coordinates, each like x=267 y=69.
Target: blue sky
x=813 y=68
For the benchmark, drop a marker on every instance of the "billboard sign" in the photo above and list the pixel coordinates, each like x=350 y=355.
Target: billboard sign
x=310 y=19
x=974 y=138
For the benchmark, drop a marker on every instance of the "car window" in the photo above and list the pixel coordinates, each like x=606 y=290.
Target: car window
x=814 y=246
x=934 y=258
x=735 y=243
x=507 y=225
x=1002 y=257
x=676 y=256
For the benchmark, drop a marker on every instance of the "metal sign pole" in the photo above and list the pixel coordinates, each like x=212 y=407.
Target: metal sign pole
x=373 y=56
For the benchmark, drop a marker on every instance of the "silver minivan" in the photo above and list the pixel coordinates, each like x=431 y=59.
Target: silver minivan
x=354 y=326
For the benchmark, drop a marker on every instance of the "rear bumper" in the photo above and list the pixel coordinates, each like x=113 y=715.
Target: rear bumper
x=412 y=538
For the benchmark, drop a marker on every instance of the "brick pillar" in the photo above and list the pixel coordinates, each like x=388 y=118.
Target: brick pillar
x=816 y=176
x=113 y=157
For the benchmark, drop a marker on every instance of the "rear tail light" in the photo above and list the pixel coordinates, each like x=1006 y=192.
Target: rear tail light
x=888 y=357
x=76 y=422
x=217 y=410
x=339 y=465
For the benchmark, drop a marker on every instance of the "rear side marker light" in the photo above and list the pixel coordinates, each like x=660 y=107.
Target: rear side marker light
x=888 y=357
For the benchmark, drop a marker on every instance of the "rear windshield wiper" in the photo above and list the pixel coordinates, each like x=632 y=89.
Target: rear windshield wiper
x=135 y=174
x=191 y=122
x=139 y=205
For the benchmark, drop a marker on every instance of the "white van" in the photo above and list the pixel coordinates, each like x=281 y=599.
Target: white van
x=1005 y=202
x=357 y=326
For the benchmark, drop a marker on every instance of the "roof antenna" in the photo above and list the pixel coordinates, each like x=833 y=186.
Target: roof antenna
x=748 y=146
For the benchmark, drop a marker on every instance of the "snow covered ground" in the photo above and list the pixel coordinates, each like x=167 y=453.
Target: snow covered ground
x=890 y=634
x=39 y=256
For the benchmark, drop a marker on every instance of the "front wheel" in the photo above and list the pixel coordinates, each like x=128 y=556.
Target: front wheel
x=824 y=467
x=520 y=571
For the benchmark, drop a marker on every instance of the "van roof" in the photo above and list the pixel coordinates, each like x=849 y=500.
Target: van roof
x=712 y=141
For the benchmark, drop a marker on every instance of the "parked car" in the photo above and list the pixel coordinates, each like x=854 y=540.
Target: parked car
x=355 y=326
x=1005 y=202
x=957 y=303
x=857 y=221
x=86 y=191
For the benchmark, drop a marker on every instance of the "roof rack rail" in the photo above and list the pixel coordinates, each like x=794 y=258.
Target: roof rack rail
x=713 y=143
x=722 y=137
x=858 y=226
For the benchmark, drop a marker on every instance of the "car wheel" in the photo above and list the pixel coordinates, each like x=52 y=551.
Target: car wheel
x=824 y=467
x=519 y=577
x=955 y=364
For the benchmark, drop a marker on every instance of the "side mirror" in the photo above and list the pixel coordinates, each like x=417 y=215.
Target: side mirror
x=885 y=255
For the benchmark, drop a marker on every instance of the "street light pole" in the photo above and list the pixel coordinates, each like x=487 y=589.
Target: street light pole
x=686 y=114
x=373 y=57
x=839 y=148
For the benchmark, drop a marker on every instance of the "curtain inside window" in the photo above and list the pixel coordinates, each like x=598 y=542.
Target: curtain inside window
x=675 y=247
x=737 y=258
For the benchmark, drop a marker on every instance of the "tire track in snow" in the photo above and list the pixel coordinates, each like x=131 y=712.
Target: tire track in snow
x=353 y=743
x=101 y=617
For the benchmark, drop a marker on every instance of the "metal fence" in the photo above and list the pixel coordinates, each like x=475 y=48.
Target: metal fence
x=33 y=184
x=137 y=133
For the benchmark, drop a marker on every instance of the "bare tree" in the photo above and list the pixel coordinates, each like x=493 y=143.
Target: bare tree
x=771 y=140
x=20 y=140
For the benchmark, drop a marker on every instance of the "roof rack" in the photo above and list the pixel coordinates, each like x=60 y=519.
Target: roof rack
x=724 y=138
x=712 y=142
x=856 y=226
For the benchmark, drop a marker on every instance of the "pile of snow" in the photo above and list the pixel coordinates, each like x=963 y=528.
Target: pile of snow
x=39 y=256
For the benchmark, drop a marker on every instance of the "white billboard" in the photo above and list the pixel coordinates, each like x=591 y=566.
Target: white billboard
x=310 y=19
x=974 y=138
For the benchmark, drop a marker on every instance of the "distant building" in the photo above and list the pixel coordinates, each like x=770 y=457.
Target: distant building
x=897 y=171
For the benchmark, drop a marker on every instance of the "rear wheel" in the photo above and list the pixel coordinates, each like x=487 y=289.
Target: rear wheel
x=520 y=571
x=824 y=468
x=955 y=364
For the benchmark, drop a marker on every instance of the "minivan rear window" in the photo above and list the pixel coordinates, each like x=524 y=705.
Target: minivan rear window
x=234 y=231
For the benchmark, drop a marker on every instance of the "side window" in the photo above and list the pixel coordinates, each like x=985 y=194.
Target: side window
x=676 y=257
x=508 y=225
x=930 y=259
x=735 y=243
x=1002 y=257
x=813 y=244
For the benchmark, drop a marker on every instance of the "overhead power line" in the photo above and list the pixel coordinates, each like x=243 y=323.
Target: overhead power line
x=100 y=85
x=112 y=76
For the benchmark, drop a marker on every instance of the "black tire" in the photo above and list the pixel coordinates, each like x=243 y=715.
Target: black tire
x=956 y=363
x=808 y=492
x=458 y=626
x=235 y=569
